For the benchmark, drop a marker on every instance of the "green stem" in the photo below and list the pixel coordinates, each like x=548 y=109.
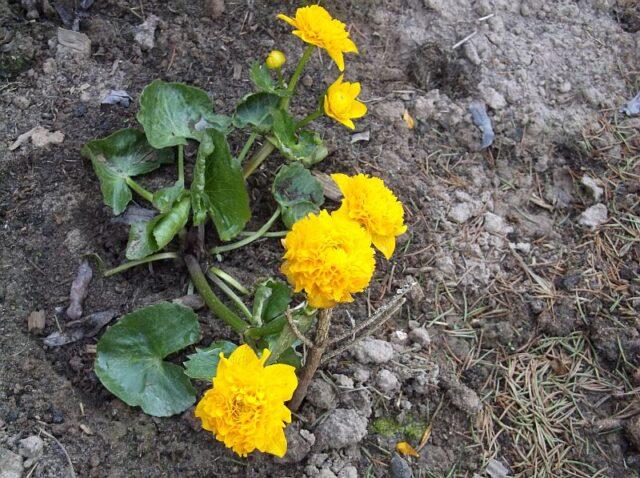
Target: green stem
x=257 y=159
x=266 y=234
x=181 y=163
x=129 y=265
x=229 y=279
x=214 y=304
x=248 y=240
x=247 y=147
x=232 y=295
x=148 y=195
x=312 y=117
x=280 y=77
x=271 y=328
x=284 y=103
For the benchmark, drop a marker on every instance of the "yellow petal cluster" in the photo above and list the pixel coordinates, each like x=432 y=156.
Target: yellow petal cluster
x=314 y=25
x=341 y=104
x=245 y=408
x=373 y=205
x=329 y=257
x=275 y=59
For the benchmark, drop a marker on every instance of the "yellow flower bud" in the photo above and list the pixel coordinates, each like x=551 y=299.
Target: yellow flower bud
x=275 y=59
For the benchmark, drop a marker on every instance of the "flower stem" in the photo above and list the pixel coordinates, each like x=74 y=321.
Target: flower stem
x=312 y=117
x=247 y=240
x=214 y=304
x=291 y=88
x=181 y=163
x=257 y=159
x=313 y=359
x=148 y=195
x=229 y=279
x=232 y=295
x=247 y=147
x=271 y=328
x=266 y=234
x=146 y=260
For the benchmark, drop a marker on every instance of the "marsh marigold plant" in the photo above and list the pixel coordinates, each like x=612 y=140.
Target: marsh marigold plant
x=329 y=257
x=316 y=26
x=370 y=203
x=246 y=409
x=341 y=103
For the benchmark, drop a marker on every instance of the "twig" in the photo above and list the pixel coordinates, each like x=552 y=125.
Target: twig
x=464 y=40
x=64 y=450
x=296 y=330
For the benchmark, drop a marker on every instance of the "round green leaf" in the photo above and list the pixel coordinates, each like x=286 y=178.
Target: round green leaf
x=171 y=113
x=130 y=358
x=297 y=191
x=271 y=300
x=304 y=146
x=255 y=110
x=203 y=365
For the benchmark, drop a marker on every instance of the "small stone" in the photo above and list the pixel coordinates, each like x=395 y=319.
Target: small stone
x=416 y=294
x=400 y=468
x=594 y=216
x=399 y=337
x=299 y=443
x=571 y=280
x=73 y=43
x=495 y=100
x=10 y=464
x=146 y=33
x=523 y=247
x=31 y=447
x=461 y=212
x=326 y=473
x=413 y=324
x=21 y=102
x=342 y=381
x=214 y=8
x=495 y=469
x=632 y=429
x=565 y=87
x=495 y=224
x=321 y=394
x=446 y=266
x=471 y=52
x=420 y=336
x=591 y=185
x=362 y=374
x=36 y=322
x=390 y=110
x=465 y=399
x=342 y=428
x=387 y=381
x=348 y=471
x=371 y=350
x=49 y=66
x=307 y=81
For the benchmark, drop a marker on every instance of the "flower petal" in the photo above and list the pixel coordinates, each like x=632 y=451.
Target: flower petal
x=336 y=55
x=385 y=244
x=244 y=356
x=287 y=19
x=358 y=109
x=282 y=380
x=342 y=180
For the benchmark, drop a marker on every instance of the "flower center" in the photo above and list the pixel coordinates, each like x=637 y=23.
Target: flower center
x=247 y=405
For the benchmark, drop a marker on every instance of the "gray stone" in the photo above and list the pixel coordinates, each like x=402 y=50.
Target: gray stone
x=632 y=429
x=214 y=8
x=73 y=43
x=495 y=469
x=465 y=399
x=371 y=350
x=494 y=99
x=146 y=33
x=31 y=447
x=342 y=381
x=390 y=110
x=594 y=216
x=591 y=185
x=348 y=471
x=326 y=473
x=299 y=443
x=342 y=428
x=361 y=374
x=420 y=336
x=10 y=464
x=399 y=337
x=461 y=212
x=446 y=265
x=387 y=381
x=400 y=468
x=321 y=394
x=495 y=224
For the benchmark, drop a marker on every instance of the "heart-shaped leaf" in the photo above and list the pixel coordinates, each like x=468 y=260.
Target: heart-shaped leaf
x=304 y=146
x=118 y=157
x=166 y=197
x=219 y=188
x=270 y=300
x=203 y=365
x=130 y=358
x=297 y=191
x=255 y=110
x=171 y=113
x=263 y=81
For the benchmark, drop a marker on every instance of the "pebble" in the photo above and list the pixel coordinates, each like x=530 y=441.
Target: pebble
x=495 y=100
x=400 y=468
x=321 y=394
x=465 y=399
x=146 y=32
x=10 y=464
x=342 y=381
x=399 y=337
x=495 y=224
x=73 y=43
x=461 y=212
x=591 y=185
x=594 y=216
x=361 y=374
x=387 y=381
x=348 y=471
x=342 y=428
x=214 y=8
x=371 y=350
x=299 y=443
x=31 y=447
x=326 y=473
x=420 y=336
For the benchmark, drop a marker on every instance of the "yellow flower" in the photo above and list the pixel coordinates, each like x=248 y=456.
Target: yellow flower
x=314 y=25
x=275 y=59
x=373 y=205
x=245 y=408
x=340 y=102
x=329 y=258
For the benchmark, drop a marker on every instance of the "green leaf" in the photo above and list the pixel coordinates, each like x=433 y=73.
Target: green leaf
x=166 y=226
x=171 y=113
x=270 y=300
x=203 y=365
x=166 y=197
x=297 y=191
x=263 y=81
x=255 y=110
x=221 y=189
x=304 y=146
x=279 y=344
x=130 y=358
x=119 y=156
x=145 y=238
